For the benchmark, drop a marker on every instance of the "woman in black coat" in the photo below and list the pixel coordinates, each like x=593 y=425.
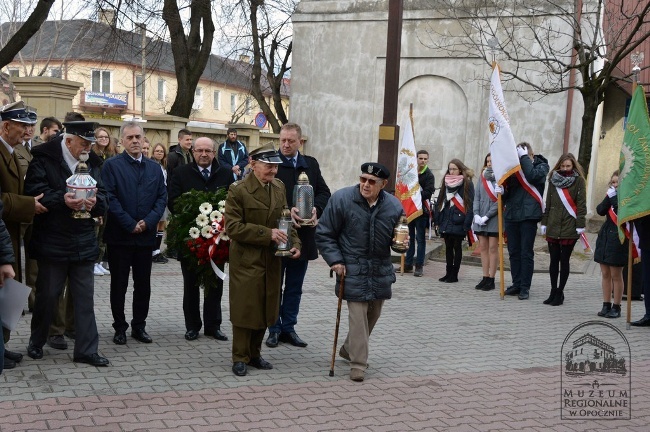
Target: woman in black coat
x=610 y=253
x=454 y=214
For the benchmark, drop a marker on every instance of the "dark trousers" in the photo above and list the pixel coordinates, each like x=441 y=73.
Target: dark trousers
x=192 y=301
x=246 y=344
x=2 y=353
x=560 y=263
x=121 y=259
x=50 y=283
x=453 y=251
x=293 y=275
x=417 y=229
x=521 y=240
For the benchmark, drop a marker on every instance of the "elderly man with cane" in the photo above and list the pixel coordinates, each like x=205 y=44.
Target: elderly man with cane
x=354 y=236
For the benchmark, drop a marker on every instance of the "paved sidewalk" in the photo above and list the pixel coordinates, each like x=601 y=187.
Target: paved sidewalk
x=444 y=357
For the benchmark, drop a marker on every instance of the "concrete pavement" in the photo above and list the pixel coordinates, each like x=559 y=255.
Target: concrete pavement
x=443 y=357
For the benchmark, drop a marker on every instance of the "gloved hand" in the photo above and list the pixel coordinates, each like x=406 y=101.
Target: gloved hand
x=611 y=192
x=477 y=219
x=542 y=229
x=580 y=230
x=522 y=151
x=498 y=190
x=484 y=220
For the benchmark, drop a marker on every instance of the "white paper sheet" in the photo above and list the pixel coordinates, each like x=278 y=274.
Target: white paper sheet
x=13 y=297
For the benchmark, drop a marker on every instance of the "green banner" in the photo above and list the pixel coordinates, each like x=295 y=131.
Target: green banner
x=633 y=188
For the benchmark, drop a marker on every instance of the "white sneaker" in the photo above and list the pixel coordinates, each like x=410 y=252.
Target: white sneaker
x=97 y=271
x=101 y=268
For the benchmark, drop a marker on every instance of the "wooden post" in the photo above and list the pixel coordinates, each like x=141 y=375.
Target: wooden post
x=502 y=282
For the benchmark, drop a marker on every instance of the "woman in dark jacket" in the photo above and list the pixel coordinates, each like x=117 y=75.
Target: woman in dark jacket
x=454 y=214
x=563 y=221
x=610 y=253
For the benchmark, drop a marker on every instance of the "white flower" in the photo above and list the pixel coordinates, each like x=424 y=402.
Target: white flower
x=202 y=220
x=194 y=232
x=216 y=215
x=205 y=208
x=206 y=231
x=221 y=204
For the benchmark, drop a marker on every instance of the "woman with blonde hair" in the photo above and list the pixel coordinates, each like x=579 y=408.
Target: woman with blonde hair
x=159 y=154
x=563 y=221
x=104 y=146
x=486 y=224
x=454 y=214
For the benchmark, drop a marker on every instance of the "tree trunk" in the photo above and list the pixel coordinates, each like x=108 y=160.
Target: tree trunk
x=587 y=130
x=25 y=32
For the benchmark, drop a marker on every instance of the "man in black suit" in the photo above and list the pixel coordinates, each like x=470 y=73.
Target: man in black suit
x=206 y=175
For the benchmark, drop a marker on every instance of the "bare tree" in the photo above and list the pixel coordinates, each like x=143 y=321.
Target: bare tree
x=541 y=44
x=20 y=38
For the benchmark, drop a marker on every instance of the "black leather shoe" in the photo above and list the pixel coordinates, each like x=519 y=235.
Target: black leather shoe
x=191 y=335
x=13 y=356
x=260 y=363
x=272 y=340
x=9 y=364
x=643 y=322
x=512 y=290
x=57 y=342
x=34 y=351
x=119 y=338
x=141 y=335
x=217 y=334
x=293 y=339
x=93 y=359
x=69 y=334
x=159 y=259
x=239 y=369
x=523 y=295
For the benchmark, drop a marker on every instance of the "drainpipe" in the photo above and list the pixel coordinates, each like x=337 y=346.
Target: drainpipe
x=572 y=81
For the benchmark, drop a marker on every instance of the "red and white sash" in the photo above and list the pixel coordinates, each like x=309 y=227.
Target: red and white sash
x=532 y=190
x=636 y=252
x=458 y=201
x=489 y=188
x=572 y=208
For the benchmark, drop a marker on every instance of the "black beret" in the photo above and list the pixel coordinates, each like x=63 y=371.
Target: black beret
x=376 y=169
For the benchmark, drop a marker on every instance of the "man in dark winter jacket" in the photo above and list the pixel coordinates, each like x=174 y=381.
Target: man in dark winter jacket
x=204 y=175
x=180 y=154
x=354 y=237
x=232 y=155
x=522 y=211
x=65 y=246
x=418 y=226
x=293 y=271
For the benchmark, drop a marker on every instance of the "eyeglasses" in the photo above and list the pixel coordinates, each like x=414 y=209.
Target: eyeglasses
x=203 y=151
x=371 y=182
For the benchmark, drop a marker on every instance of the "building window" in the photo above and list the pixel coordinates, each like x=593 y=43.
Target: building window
x=101 y=81
x=198 y=99
x=56 y=72
x=14 y=73
x=248 y=105
x=233 y=102
x=217 y=100
x=162 y=89
x=138 y=85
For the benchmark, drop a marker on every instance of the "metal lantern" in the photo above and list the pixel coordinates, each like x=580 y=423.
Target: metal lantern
x=284 y=225
x=400 y=238
x=303 y=199
x=82 y=185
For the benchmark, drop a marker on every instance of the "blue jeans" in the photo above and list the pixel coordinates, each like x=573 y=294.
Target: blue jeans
x=293 y=275
x=417 y=229
x=521 y=240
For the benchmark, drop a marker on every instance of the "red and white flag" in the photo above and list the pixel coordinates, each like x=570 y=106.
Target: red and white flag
x=505 y=160
x=407 y=186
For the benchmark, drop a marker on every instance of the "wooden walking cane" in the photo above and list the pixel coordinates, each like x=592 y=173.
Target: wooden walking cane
x=338 y=321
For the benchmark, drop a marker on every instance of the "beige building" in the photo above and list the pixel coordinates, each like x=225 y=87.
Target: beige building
x=108 y=63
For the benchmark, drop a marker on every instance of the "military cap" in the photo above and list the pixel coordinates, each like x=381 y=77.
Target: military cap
x=266 y=154
x=376 y=169
x=83 y=129
x=18 y=112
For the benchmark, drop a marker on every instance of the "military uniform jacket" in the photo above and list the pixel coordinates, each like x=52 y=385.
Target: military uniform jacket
x=251 y=213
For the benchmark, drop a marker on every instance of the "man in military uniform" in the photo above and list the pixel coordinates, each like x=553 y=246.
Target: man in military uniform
x=253 y=208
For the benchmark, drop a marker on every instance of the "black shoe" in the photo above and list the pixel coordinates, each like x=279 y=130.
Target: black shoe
x=523 y=295
x=606 y=307
x=482 y=283
x=614 y=312
x=70 y=334
x=418 y=271
x=489 y=285
x=119 y=338
x=159 y=259
x=643 y=322
x=272 y=340
x=9 y=364
x=191 y=335
x=260 y=363
x=34 y=351
x=444 y=278
x=551 y=296
x=93 y=359
x=141 y=335
x=13 y=356
x=513 y=290
x=558 y=299
x=293 y=339
x=57 y=342
x=218 y=335
x=239 y=368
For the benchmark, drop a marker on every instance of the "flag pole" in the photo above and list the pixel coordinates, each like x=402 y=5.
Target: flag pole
x=502 y=282
x=630 y=263
x=403 y=257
